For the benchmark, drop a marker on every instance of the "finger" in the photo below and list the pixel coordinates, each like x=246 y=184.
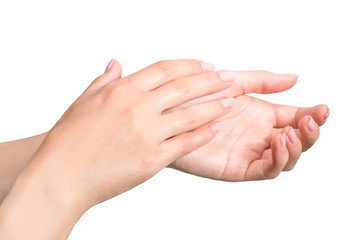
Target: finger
x=290 y=116
x=187 y=142
x=309 y=132
x=181 y=90
x=255 y=82
x=113 y=72
x=294 y=147
x=164 y=71
x=263 y=82
x=187 y=119
x=271 y=166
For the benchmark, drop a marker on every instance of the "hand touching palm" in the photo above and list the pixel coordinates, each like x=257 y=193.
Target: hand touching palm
x=256 y=140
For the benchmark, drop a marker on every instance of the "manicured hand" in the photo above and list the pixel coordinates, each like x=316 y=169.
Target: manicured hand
x=116 y=134
x=258 y=139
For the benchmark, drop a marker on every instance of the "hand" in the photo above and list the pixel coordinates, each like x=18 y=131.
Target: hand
x=258 y=139
x=115 y=135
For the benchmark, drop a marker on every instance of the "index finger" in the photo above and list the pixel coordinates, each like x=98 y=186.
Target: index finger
x=165 y=71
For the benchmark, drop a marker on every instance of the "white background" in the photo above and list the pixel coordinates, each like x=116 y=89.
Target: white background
x=51 y=50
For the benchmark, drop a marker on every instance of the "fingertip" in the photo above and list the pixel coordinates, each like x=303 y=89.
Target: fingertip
x=280 y=155
x=311 y=125
x=326 y=114
x=278 y=144
x=110 y=64
x=279 y=82
x=294 y=147
x=289 y=78
x=215 y=127
x=283 y=142
x=207 y=67
x=309 y=132
x=113 y=66
x=291 y=136
x=291 y=75
x=227 y=103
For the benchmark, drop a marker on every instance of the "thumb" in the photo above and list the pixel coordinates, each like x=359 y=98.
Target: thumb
x=112 y=72
x=113 y=69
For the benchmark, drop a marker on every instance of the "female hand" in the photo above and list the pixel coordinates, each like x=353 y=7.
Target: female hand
x=116 y=136
x=258 y=139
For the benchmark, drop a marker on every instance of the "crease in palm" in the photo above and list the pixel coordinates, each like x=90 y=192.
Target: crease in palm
x=244 y=137
x=247 y=131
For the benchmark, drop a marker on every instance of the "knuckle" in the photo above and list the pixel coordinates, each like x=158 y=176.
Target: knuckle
x=139 y=137
x=204 y=80
x=148 y=163
x=165 y=67
x=263 y=75
x=180 y=85
x=114 y=92
x=130 y=120
x=185 y=144
x=188 y=115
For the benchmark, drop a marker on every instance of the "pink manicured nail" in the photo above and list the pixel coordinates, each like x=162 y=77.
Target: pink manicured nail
x=227 y=76
x=283 y=142
x=215 y=127
x=110 y=65
x=228 y=102
x=327 y=114
x=208 y=67
x=292 y=136
x=311 y=125
x=289 y=74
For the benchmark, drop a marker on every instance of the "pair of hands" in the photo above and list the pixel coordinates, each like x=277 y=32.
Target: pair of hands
x=122 y=131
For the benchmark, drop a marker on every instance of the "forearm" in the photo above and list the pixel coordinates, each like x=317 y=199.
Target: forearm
x=38 y=208
x=14 y=156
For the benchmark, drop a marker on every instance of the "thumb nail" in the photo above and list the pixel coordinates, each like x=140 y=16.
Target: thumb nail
x=110 y=65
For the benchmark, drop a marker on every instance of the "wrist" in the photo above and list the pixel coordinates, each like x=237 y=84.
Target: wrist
x=42 y=208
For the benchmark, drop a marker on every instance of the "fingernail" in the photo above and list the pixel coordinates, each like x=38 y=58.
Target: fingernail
x=227 y=76
x=228 y=102
x=289 y=75
x=327 y=114
x=311 y=125
x=110 y=65
x=208 y=67
x=283 y=142
x=215 y=127
x=292 y=136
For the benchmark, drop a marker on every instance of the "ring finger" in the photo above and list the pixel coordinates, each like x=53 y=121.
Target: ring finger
x=187 y=119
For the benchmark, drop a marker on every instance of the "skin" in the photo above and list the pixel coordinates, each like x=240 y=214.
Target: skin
x=258 y=139
x=14 y=156
x=254 y=143
x=244 y=115
x=249 y=145
x=112 y=138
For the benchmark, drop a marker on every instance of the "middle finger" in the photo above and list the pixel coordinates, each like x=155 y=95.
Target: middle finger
x=184 y=89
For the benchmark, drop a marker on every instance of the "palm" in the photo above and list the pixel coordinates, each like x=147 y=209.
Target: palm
x=244 y=149
x=245 y=136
